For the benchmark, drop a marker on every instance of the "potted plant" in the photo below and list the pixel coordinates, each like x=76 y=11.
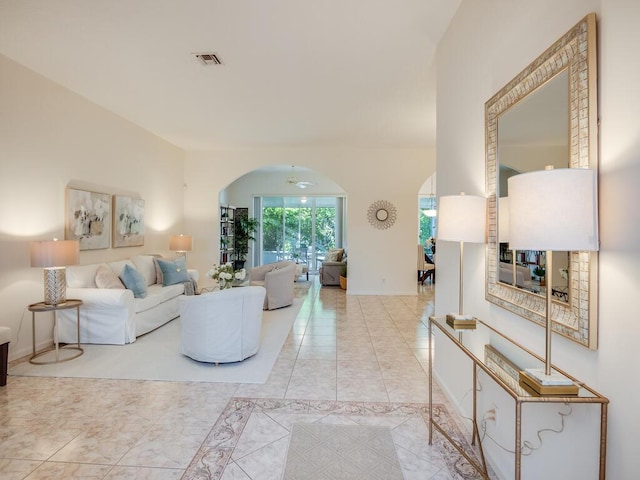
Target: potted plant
x=540 y=272
x=343 y=278
x=245 y=229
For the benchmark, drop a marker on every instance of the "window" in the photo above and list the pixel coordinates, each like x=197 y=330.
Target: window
x=299 y=228
x=427 y=224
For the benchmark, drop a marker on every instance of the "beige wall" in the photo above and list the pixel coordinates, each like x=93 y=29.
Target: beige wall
x=380 y=261
x=487 y=44
x=52 y=138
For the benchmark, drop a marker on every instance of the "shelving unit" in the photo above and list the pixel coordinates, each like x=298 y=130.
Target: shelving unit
x=476 y=344
x=227 y=231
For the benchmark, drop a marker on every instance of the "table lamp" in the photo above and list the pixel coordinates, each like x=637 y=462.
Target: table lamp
x=552 y=210
x=54 y=255
x=461 y=218
x=181 y=244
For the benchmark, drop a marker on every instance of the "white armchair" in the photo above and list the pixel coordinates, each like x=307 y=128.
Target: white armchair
x=277 y=278
x=222 y=326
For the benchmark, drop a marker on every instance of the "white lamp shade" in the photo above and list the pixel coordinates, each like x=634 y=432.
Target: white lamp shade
x=462 y=218
x=181 y=243
x=503 y=220
x=55 y=253
x=554 y=209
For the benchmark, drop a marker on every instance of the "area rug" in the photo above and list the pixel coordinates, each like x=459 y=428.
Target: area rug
x=252 y=432
x=156 y=356
x=323 y=452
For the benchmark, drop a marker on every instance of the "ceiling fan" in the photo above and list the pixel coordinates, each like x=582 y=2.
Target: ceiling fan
x=293 y=180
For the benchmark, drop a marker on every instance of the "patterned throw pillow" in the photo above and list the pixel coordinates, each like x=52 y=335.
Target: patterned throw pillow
x=105 y=278
x=173 y=271
x=334 y=255
x=134 y=281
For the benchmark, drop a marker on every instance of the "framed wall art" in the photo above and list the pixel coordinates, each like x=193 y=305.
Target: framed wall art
x=128 y=221
x=88 y=219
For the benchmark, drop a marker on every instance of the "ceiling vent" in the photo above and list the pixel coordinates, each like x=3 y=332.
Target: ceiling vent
x=208 y=58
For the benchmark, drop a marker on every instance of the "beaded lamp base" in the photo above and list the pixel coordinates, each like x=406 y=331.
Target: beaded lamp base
x=55 y=286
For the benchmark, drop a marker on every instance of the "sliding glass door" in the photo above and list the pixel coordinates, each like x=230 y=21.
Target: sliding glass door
x=299 y=228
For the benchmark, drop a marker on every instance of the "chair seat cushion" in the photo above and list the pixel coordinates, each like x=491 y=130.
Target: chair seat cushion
x=5 y=335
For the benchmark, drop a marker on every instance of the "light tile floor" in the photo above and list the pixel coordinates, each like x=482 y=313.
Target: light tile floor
x=349 y=359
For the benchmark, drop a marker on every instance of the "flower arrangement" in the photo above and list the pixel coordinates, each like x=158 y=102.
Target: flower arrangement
x=226 y=275
x=564 y=273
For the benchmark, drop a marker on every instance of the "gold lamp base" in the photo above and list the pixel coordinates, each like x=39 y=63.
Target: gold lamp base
x=458 y=321
x=555 y=384
x=55 y=286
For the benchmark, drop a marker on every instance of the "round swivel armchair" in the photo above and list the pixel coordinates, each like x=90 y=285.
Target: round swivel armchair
x=222 y=326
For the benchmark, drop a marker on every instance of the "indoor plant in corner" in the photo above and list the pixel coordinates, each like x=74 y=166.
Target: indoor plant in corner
x=245 y=229
x=540 y=273
x=343 y=278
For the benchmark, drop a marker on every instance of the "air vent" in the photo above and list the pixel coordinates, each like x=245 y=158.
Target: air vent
x=209 y=58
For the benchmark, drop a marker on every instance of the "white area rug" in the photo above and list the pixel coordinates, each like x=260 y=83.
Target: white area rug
x=156 y=356
x=356 y=452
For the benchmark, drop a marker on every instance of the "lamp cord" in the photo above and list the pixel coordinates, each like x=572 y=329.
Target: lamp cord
x=527 y=447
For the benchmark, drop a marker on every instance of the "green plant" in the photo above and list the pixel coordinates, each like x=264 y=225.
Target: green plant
x=539 y=271
x=245 y=229
x=343 y=272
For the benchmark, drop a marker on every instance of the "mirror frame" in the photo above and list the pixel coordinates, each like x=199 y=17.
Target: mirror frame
x=576 y=52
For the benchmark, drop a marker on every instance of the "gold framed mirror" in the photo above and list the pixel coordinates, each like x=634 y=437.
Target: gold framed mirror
x=517 y=128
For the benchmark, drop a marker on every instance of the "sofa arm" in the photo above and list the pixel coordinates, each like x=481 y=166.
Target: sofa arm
x=258 y=273
x=106 y=316
x=331 y=272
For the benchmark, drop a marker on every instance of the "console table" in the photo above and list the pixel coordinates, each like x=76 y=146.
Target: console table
x=44 y=307
x=504 y=374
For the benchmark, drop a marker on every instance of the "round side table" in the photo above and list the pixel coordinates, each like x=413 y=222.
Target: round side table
x=41 y=307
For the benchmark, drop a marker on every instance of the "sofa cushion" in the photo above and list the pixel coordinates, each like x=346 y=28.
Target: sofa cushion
x=82 y=276
x=157 y=294
x=146 y=266
x=173 y=271
x=105 y=278
x=134 y=281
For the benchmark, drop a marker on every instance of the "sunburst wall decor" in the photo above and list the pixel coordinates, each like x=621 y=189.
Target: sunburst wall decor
x=381 y=214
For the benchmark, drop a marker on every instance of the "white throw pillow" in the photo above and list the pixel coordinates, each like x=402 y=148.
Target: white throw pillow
x=105 y=278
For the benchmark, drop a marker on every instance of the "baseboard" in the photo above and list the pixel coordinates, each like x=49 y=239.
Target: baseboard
x=408 y=293
x=26 y=351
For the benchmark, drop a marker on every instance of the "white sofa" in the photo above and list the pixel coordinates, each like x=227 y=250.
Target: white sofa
x=523 y=275
x=222 y=326
x=277 y=278
x=114 y=315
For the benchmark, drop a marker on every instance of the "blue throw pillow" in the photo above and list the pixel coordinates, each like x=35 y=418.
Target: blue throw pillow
x=173 y=271
x=134 y=281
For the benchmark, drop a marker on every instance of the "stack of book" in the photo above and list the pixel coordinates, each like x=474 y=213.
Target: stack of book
x=458 y=321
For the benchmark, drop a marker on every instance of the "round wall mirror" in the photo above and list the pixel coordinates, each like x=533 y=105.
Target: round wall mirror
x=381 y=214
